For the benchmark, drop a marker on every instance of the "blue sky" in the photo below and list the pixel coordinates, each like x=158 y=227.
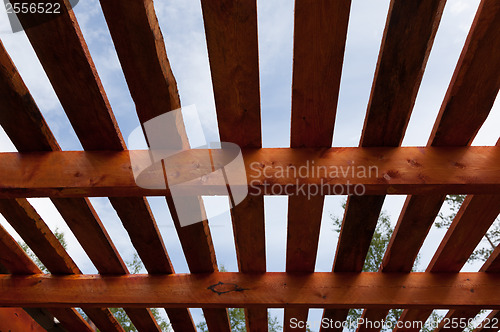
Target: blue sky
x=182 y=27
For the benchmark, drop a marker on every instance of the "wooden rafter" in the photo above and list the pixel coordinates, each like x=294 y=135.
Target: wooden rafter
x=469 y=79
x=54 y=56
x=320 y=31
x=142 y=54
x=406 y=45
x=15 y=260
x=232 y=42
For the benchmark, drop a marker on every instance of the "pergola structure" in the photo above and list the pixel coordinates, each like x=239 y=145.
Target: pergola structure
x=447 y=165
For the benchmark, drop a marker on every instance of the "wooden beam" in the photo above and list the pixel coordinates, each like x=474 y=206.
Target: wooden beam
x=231 y=32
x=406 y=44
x=16 y=319
x=97 y=129
x=141 y=50
x=37 y=235
x=490 y=323
x=15 y=260
x=492 y=265
x=320 y=31
x=232 y=42
x=407 y=170
x=274 y=289
x=474 y=85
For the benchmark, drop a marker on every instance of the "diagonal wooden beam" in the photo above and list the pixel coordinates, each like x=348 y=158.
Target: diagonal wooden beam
x=15 y=260
x=142 y=54
x=474 y=85
x=320 y=31
x=78 y=213
x=37 y=235
x=406 y=45
x=236 y=289
x=232 y=42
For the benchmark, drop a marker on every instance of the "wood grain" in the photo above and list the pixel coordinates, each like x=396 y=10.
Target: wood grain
x=274 y=289
x=406 y=170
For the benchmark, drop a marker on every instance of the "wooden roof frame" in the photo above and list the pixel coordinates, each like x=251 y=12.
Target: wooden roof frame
x=448 y=165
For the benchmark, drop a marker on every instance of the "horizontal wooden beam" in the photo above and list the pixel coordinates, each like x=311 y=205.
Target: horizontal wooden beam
x=272 y=289
x=409 y=170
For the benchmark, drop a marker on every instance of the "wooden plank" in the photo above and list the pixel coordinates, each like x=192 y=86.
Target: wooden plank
x=70 y=319
x=492 y=265
x=317 y=69
x=16 y=319
x=96 y=129
x=274 y=289
x=315 y=89
x=472 y=221
x=474 y=85
x=60 y=47
x=142 y=54
x=38 y=236
x=15 y=260
x=408 y=170
x=231 y=32
x=490 y=323
x=21 y=111
x=30 y=226
x=406 y=45
x=13 y=257
x=232 y=42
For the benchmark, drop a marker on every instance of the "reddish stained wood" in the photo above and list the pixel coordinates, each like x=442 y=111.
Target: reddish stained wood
x=317 y=69
x=20 y=111
x=15 y=260
x=16 y=319
x=60 y=47
x=407 y=41
x=315 y=89
x=13 y=257
x=406 y=170
x=472 y=221
x=231 y=32
x=274 y=289
x=249 y=234
x=71 y=319
x=351 y=245
x=474 y=85
x=97 y=129
x=37 y=235
x=142 y=54
x=135 y=213
x=475 y=82
x=141 y=50
x=490 y=323
x=415 y=220
x=304 y=221
x=87 y=226
x=492 y=265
